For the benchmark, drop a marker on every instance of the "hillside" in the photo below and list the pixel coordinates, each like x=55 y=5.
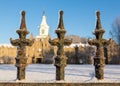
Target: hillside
x=76 y=39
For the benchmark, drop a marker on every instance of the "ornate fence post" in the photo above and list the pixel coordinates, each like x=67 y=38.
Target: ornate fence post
x=99 y=42
x=60 y=59
x=22 y=42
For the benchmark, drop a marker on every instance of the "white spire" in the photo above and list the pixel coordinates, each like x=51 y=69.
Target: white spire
x=44 y=23
x=43 y=28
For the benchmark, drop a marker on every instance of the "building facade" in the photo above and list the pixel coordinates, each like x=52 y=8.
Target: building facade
x=7 y=53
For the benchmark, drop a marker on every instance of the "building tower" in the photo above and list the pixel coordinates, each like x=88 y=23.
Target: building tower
x=41 y=45
x=43 y=28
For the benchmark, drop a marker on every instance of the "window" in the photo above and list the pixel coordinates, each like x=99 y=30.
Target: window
x=43 y=31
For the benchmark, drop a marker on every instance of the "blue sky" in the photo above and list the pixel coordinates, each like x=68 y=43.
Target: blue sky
x=79 y=16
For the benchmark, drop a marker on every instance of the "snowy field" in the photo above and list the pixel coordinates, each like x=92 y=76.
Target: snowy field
x=73 y=74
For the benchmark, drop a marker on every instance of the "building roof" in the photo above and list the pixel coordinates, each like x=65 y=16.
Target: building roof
x=6 y=45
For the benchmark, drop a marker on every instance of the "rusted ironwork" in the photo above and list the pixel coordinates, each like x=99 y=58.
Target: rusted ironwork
x=21 y=43
x=60 y=42
x=99 y=42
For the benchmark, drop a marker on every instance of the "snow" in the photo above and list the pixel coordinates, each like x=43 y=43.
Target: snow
x=73 y=45
x=7 y=45
x=44 y=73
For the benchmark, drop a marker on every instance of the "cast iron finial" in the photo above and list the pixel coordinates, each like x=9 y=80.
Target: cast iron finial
x=23 y=24
x=98 y=23
x=98 y=14
x=22 y=30
x=61 y=25
x=99 y=42
x=60 y=42
x=21 y=43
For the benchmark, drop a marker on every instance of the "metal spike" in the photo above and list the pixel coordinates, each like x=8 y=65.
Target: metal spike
x=23 y=24
x=61 y=25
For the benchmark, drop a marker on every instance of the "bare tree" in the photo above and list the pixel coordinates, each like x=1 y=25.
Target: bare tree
x=115 y=33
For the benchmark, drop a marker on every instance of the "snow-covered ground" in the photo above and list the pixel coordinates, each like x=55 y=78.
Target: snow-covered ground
x=73 y=73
